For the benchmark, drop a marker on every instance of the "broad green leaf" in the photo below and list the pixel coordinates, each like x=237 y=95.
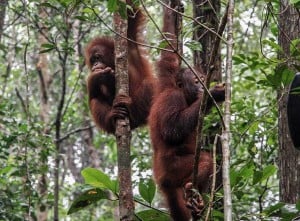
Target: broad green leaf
x=163 y=44
x=287 y=76
x=193 y=45
x=272 y=44
x=87 y=198
x=246 y=171
x=238 y=59
x=152 y=215
x=8 y=170
x=115 y=186
x=294 y=1
x=147 y=190
x=48 y=5
x=217 y=214
x=254 y=127
x=233 y=177
x=250 y=78
x=294 y=47
x=46 y=50
x=122 y=9
x=89 y=10
x=97 y=178
x=81 y=18
x=257 y=177
x=269 y=171
x=112 y=5
x=270 y=210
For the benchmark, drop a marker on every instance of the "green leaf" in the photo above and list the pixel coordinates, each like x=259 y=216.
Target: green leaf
x=46 y=50
x=274 y=208
x=112 y=5
x=298 y=205
x=147 y=190
x=3 y=48
x=193 y=45
x=48 y=45
x=48 y=5
x=218 y=214
x=294 y=1
x=257 y=177
x=233 y=177
x=8 y=170
x=81 y=18
x=238 y=59
x=89 y=10
x=115 y=186
x=246 y=171
x=163 y=44
x=250 y=78
x=97 y=178
x=152 y=215
x=287 y=76
x=122 y=9
x=87 y=198
x=260 y=176
x=269 y=171
x=294 y=47
x=273 y=45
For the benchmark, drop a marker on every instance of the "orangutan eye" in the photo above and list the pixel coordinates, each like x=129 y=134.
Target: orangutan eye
x=179 y=84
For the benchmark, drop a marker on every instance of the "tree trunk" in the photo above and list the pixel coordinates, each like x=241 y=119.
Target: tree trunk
x=3 y=4
x=207 y=12
x=123 y=132
x=289 y=157
x=45 y=79
x=227 y=117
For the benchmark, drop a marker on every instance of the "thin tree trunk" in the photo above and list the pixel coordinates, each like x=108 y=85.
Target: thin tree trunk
x=42 y=69
x=207 y=12
x=63 y=57
x=289 y=157
x=177 y=4
x=227 y=116
x=123 y=132
x=214 y=43
x=3 y=4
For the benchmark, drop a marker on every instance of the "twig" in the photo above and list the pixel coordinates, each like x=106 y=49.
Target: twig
x=22 y=100
x=74 y=132
x=213 y=184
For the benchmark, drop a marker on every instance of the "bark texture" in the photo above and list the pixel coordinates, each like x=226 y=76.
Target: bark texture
x=3 y=4
x=207 y=13
x=45 y=80
x=123 y=132
x=289 y=157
